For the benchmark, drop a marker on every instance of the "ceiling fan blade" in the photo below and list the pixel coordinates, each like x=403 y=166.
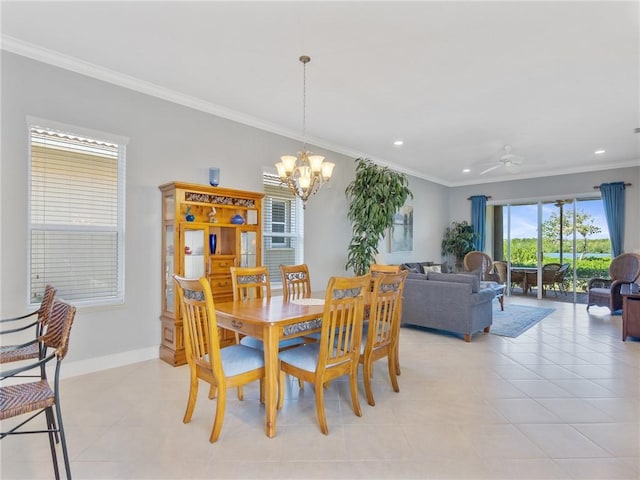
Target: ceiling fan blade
x=490 y=169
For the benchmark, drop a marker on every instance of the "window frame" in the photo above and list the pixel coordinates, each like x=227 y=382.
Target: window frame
x=119 y=229
x=294 y=218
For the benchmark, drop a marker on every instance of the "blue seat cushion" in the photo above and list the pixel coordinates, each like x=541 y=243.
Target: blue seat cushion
x=259 y=345
x=237 y=359
x=304 y=357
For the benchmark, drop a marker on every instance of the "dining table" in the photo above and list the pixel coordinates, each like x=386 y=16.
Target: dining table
x=271 y=320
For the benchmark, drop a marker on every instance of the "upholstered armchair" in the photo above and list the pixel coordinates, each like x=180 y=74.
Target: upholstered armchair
x=602 y=292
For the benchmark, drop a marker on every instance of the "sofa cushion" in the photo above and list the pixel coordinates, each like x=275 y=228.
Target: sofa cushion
x=473 y=280
x=413 y=267
x=432 y=268
x=417 y=276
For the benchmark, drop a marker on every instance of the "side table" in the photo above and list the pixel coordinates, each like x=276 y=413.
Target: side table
x=496 y=287
x=630 y=310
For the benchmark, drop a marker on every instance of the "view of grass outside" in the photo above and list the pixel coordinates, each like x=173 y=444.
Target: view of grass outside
x=593 y=247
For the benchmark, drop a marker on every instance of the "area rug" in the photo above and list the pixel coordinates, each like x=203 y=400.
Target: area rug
x=516 y=319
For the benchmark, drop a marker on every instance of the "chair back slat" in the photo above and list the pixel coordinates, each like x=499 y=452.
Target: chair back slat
x=296 y=281
x=58 y=328
x=250 y=283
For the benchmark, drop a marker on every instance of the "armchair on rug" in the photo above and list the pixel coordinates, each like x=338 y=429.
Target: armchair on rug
x=602 y=292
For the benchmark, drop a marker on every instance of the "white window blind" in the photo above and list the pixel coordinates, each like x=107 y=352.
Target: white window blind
x=76 y=216
x=282 y=227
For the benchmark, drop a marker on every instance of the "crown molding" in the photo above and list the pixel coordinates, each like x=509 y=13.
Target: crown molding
x=57 y=59
x=67 y=62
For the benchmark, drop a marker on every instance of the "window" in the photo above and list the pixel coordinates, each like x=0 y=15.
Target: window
x=76 y=213
x=282 y=227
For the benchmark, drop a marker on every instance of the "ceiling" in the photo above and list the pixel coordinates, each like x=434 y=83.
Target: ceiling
x=456 y=81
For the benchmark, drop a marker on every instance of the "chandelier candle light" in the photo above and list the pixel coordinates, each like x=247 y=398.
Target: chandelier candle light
x=304 y=174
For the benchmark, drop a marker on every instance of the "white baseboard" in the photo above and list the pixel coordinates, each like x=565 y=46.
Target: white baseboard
x=82 y=367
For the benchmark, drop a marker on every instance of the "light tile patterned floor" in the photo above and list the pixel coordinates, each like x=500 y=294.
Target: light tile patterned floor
x=559 y=402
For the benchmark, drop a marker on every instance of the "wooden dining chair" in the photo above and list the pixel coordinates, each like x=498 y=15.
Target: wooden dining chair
x=221 y=368
x=337 y=352
x=381 y=337
x=381 y=269
x=296 y=281
x=250 y=282
x=41 y=396
x=32 y=348
x=378 y=268
x=254 y=282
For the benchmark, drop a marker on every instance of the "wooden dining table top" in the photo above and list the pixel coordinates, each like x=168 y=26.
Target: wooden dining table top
x=276 y=309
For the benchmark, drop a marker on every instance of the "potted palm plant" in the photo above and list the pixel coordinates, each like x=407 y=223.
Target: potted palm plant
x=375 y=195
x=457 y=241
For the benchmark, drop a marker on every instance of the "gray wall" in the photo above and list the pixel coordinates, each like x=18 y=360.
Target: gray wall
x=171 y=142
x=166 y=142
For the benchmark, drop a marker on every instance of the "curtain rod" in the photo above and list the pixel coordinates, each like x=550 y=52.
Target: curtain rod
x=488 y=197
x=597 y=187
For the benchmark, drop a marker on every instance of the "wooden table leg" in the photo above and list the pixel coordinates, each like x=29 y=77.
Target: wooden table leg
x=271 y=338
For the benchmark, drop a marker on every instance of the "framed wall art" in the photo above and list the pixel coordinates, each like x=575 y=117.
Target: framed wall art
x=401 y=233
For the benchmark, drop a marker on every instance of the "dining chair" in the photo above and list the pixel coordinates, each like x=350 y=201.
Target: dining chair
x=549 y=271
x=221 y=368
x=338 y=351
x=378 y=268
x=32 y=348
x=296 y=281
x=559 y=279
x=250 y=282
x=254 y=282
x=37 y=397
x=381 y=337
x=602 y=292
x=500 y=269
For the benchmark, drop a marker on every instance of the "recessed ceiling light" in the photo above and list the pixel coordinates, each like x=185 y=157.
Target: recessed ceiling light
x=599 y=152
x=397 y=143
x=466 y=170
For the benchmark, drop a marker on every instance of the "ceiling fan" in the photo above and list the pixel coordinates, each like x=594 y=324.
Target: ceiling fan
x=511 y=162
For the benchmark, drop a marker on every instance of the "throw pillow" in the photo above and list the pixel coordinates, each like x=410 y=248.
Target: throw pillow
x=432 y=268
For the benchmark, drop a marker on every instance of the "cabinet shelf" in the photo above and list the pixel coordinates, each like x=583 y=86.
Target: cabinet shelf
x=235 y=245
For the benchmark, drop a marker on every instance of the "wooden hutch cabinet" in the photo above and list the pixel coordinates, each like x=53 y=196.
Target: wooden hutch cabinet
x=202 y=236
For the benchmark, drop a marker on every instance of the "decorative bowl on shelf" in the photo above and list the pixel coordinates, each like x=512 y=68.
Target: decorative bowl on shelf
x=237 y=220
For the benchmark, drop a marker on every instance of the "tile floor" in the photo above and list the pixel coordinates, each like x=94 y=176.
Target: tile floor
x=559 y=402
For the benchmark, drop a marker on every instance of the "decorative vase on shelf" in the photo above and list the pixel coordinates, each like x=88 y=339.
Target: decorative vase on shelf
x=213 y=239
x=237 y=220
x=188 y=216
x=214 y=177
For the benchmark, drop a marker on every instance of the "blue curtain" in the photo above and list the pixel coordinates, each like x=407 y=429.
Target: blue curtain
x=613 y=201
x=479 y=220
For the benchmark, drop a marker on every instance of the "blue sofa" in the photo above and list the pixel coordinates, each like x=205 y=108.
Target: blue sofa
x=447 y=301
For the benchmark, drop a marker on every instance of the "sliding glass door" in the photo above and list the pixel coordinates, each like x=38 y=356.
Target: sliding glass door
x=568 y=236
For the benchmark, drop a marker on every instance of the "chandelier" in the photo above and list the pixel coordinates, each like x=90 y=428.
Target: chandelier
x=305 y=173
